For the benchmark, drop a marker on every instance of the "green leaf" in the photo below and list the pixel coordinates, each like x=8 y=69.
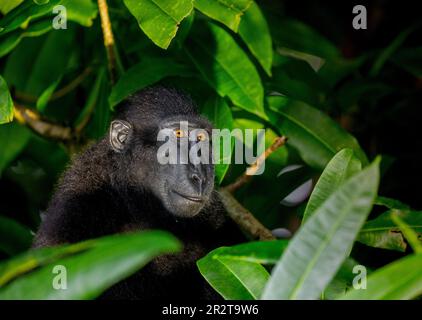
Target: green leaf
x=341 y=167
x=321 y=245
x=296 y=79
x=101 y=264
x=389 y=51
x=46 y=95
x=6 y=103
x=410 y=59
x=254 y=31
x=236 y=272
x=382 y=232
x=159 y=19
x=220 y=115
x=390 y=203
x=6 y=6
x=296 y=35
x=81 y=11
x=24 y=13
x=263 y=252
x=410 y=235
x=143 y=74
x=228 y=12
x=226 y=67
x=13 y=139
x=14 y=237
x=11 y=40
x=315 y=135
x=399 y=280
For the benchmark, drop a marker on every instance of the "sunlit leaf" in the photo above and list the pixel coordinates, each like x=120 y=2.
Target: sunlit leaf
x=6 y=103
x=341 y=167
x=399 y=280
x=320 y=246
x=254 y=31
x=226 y=67
x=228 y=12
x=103 y=263
x=159 y=19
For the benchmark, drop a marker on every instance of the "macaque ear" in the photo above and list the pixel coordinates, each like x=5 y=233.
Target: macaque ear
x=120 y=131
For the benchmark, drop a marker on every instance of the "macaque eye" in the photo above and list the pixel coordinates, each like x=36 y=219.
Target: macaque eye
x=179 y=133
x=201 y=136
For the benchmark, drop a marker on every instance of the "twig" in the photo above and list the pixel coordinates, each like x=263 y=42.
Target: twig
x=28 y=98
x=244 y=218
x=41 y=126
x=239 y=214
x=108 y=38
x=246 y=177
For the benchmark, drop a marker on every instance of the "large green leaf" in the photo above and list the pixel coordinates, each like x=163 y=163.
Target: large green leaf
x=228 y=12
x=13 y=139
x=14 y=237
x=159 y=19
x=12 y=39
x=81 y=11
x=236 y=272
x=399 y=280
x=254 y=31
x=6 y=6
x=143 y=74
x=101 y=264
x=315 y=135
x=341 y=167
x=6 y=103
x=320 y=246
x=220 y=115
x=24 y=13
x=226 y=67
x=382 y=232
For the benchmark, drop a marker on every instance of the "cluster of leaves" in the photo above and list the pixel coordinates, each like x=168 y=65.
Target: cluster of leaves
x=245 y=69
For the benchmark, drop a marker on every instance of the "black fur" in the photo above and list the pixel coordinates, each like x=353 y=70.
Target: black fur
x=98 y=196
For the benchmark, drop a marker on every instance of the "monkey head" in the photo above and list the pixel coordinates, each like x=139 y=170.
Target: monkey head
x=163 y=146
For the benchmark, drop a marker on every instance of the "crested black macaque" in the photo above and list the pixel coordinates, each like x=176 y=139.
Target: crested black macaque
x=118 y=185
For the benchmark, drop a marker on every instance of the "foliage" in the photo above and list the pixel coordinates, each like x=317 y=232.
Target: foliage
x=247 y=65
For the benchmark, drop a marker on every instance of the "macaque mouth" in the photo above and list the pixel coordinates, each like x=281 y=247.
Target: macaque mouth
x=190 y=198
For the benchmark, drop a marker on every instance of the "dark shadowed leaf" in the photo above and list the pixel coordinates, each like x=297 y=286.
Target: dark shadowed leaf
x=13 y=139
x=14 y=237
x=314 y=134
x=143 y=74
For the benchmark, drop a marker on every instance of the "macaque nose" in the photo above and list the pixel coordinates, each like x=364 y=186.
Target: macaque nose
x=197 y=181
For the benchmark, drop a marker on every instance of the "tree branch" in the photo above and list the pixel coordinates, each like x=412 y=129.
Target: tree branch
x=246 y=177
x=244 y=218
x=108 y=38
x=239 y=214
x=41 y=126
